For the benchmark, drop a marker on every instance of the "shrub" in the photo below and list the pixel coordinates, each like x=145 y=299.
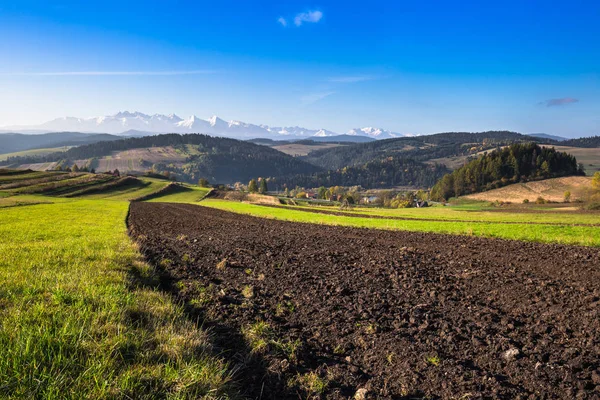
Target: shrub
x=525 y=201
x=540 y=200
x=202 y=182
x=593 y=207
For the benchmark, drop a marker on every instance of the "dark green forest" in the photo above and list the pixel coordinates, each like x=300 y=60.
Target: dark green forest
x=386 y=173
x=588 y=142
x=519 y=162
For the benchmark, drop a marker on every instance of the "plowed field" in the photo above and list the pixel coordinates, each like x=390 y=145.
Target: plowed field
x=388 y=315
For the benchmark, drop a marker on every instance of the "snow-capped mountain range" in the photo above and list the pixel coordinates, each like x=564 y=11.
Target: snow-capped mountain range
x=125 y=121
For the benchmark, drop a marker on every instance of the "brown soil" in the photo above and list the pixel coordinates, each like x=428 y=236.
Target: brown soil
x=400 y=314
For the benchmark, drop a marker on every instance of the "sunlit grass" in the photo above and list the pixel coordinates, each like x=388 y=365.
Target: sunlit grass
x=475 y=211
x=580 y=235
x=189 y=194
x=75 y=324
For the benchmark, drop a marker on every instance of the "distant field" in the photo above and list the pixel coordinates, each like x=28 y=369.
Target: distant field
x=456 y=162
x=549 y=189
x=590 y=158
x=33 y=152
x=522 y=229
x=297 y=149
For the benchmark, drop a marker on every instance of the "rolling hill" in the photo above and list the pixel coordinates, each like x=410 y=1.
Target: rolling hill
x=519 y=162
x=188 y=157
x=421 y=148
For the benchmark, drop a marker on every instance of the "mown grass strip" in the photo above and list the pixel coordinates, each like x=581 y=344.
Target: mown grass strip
x=577 y=235
x=476 y=213
x=75 y=324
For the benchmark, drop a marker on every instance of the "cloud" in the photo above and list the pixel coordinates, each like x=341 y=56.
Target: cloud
x=282 y=21
x=351 y=79
x=109 y=73
x=559 y=102
x=310 y=16
x=314 y=97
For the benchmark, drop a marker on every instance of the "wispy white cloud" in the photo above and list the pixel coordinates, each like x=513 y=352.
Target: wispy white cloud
x=314 y=97
x=352 y=78
x=310 y=16
x=108 y=73
x=282 y=21
x=559 y=102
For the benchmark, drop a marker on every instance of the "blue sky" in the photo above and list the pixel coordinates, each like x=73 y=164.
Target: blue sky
x=410 y=67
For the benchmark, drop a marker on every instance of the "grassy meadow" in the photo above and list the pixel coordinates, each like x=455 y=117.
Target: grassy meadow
x=80 y=312
x=448 y=220
x=81 y=315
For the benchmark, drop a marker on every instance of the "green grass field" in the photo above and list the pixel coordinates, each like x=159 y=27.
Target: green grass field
x=80 y=315
x=191 y=194
x=473 y=211
x=80 y=312
x=577 y=235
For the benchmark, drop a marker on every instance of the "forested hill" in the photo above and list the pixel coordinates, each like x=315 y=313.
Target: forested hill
x=219 y=159
x=589 y=142
x=515 y=163
x=386 y=173
x=419 y=148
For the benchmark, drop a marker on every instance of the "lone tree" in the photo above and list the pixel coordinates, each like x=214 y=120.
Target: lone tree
x=75 y=168
x=262 y=186
x=202 y=182
x=252 y=186
x=567 y=197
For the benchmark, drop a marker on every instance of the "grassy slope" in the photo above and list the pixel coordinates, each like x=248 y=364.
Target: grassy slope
x=550 y=189
x=74 y=323
x=193 y=195
x=130 y=193
x=587 y=236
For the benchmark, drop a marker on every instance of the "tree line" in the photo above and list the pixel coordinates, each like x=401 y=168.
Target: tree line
x=519 y=162
x=587 y=142
x=386 y=173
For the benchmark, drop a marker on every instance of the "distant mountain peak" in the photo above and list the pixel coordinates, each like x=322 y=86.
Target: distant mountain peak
x=158 y=123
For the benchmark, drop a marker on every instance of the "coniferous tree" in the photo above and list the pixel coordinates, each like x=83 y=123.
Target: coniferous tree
x=262 y=186
x=252 y=186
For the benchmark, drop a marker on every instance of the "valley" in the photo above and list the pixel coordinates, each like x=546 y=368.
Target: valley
x=239 y=293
